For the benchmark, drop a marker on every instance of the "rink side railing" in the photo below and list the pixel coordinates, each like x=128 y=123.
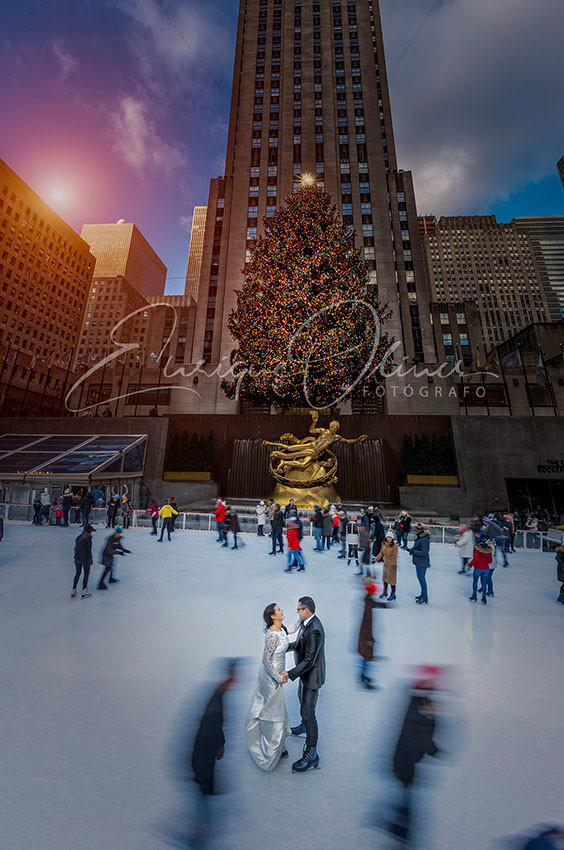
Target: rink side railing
x=195 y=521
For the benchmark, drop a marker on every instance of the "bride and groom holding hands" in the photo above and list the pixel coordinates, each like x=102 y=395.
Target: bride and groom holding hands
x=267 y=724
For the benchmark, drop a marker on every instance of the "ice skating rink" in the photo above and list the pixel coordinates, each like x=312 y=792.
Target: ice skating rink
x=95 y=694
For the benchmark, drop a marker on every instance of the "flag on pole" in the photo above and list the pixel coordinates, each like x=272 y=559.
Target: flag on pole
x=542 y=379
x=512 y=360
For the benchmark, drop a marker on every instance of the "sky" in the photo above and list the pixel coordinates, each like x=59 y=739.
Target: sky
x=116 y=109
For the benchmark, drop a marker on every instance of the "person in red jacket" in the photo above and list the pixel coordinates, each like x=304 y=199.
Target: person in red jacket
x=294 y=547
x=481 y=562
x=219 y=514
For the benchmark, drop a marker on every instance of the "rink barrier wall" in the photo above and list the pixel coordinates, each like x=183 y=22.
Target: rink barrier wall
x=194 y=521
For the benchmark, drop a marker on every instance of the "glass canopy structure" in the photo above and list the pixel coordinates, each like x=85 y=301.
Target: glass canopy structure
x=82 y=458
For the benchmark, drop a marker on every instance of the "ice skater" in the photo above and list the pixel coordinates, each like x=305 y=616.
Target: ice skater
x=481 y=562
x=416 y=740
x=389 y=554
x=421 y=560
x=294 y=551
x=560 y=572
x=167 y=513
x=366 y=642
x=83 y=560
x=309 y=655
x=113 y=547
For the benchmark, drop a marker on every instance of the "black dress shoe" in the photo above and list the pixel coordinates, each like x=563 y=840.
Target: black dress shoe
x=284 y=755
x=298 y=730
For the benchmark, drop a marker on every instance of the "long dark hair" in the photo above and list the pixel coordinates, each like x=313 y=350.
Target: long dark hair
x=267 y=616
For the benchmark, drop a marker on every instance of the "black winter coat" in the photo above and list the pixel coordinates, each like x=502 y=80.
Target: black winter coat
x=83 y=549
x=414 y=742
x=317 y=518
x=560 y=563
x=309 y=655
x=379 y=537
x=209 y=741
x=277 y=521
x=113 y=547
x=86 y=503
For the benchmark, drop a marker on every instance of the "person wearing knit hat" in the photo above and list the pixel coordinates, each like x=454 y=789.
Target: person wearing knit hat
x=366 y=640
x=482 y=562
x=389 y=554
x=261 y=517
x=83 y=560
x=67 y=505
x=421 y=560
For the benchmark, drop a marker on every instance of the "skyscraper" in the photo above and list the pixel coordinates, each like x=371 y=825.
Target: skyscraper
x=121 y=250
x=310 y=97
x=475 y=258
x=195 y=252
x=547 y=237
x=45 y=274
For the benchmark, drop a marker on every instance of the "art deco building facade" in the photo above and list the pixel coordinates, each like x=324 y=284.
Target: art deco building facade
x=121 y=250
x=310 y=96
x=195 y=251
x=45 y=275
x=475 y=258
x=547 y=238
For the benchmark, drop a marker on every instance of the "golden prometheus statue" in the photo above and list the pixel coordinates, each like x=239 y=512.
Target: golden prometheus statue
x=306 y=470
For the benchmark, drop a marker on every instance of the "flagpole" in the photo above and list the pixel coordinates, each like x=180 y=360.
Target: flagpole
x=139 y=384
x=158 y=361
x=102 y=381
x=505 y=386
x=548 y=382
x=65 y=384
x=121 y=383
x=30 y=367
x=47 y=378
x=527 y=388
x=9 y=383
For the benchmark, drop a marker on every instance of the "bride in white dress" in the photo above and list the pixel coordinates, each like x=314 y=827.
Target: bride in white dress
x=267 y=723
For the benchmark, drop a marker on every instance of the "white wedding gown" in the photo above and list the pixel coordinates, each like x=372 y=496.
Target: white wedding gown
x=267 y=723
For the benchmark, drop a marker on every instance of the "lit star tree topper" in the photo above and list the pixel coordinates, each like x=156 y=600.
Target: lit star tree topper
x=307 y=325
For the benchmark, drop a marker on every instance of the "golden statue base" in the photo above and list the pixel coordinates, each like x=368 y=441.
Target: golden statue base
x=306 y=498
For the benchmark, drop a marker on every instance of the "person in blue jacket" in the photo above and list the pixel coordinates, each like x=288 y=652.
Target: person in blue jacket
x=421 y=560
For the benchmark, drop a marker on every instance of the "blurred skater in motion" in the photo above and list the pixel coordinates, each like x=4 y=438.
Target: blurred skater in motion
x=549 y=839
x=208 y=748
x=293 y=543
x=416 y=740
x=154 y=513
x=465 y=545
x=267 y=723
x=113 y=547
x=366 y=642
x=560 y=572
x=83 y=560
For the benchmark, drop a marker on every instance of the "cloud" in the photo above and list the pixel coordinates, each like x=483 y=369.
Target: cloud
x=138 y=142
x=185 y=223
x=476 y=99
x=182 y=51
x=67 y=62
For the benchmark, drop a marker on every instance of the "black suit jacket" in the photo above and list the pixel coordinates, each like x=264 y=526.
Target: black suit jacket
x=309 y=655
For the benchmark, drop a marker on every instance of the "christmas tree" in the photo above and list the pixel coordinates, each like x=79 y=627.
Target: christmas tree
x=306 y=326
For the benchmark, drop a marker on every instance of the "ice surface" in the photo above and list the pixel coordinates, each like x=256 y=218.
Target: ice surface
x=93 y=692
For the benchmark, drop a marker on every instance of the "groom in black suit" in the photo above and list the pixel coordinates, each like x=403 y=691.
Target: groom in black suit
x=309 y=655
